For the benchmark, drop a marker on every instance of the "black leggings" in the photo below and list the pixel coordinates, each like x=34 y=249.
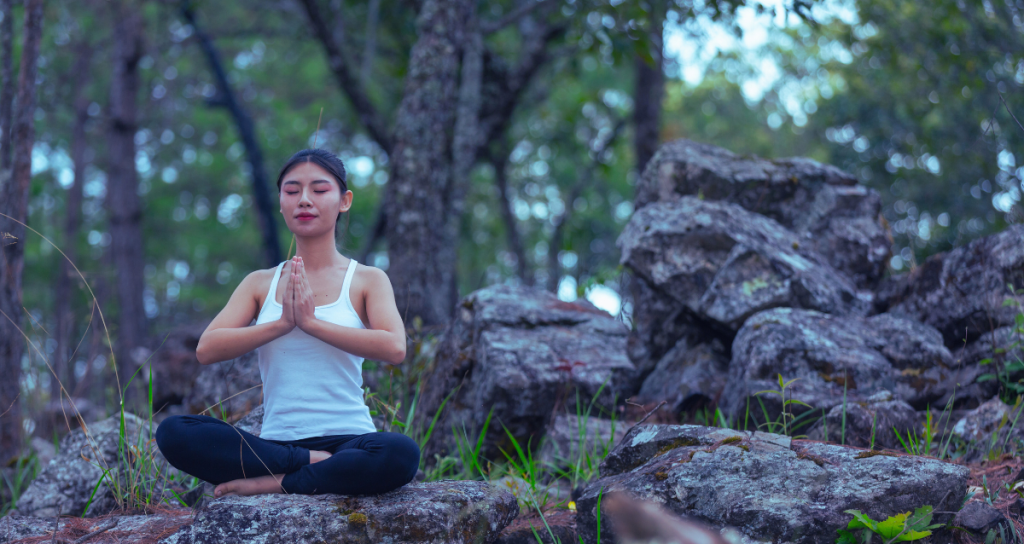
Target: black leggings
x=360 y=464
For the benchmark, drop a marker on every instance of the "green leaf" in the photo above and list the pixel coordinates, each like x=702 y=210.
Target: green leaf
x=913 y=535
x=892 y=526
x=985 y=378
x=846 y=537
x=860 y=521
x=921 y=518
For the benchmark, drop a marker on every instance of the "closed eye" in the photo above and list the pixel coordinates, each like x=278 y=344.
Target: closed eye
x=296 y=192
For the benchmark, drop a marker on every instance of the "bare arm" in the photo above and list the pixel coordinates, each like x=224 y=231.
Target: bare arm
x=229 y=334
x=384 y=340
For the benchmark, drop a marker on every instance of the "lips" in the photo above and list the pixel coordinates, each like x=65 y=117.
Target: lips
x=305 y=217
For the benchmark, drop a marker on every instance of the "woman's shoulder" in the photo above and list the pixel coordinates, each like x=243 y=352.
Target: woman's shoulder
x=368 y=277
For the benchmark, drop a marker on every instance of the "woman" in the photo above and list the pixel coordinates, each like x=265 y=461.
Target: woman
x=317 y=316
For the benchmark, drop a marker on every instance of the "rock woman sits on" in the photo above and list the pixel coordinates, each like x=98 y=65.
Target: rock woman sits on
x=318 y=315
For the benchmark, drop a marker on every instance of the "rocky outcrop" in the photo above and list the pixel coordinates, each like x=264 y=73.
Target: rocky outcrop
x=768 y=487
x=439 y=512
x=823 y=205
x=561 y=524
x=688 y=376
x=724 y=263
x=67 y=482
x=235 y=384
x=518 y=354
x=870 y=424
x=962 y=292
x=830 y=356
x=122 y=529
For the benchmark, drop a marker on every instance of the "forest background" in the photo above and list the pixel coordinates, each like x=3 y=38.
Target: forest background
x=486 y=142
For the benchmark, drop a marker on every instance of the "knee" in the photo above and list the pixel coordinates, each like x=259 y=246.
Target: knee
x=406 y=454
x=171 y=435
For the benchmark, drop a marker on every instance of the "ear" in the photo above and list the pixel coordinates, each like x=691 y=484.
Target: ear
x=346 y=202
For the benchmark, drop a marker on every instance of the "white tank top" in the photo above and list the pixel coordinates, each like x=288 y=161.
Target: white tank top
x=311 y=388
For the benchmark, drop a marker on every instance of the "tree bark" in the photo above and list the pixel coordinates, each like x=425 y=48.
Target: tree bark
x=124 y=207
x=370 y=51
x=649 y=90
x=515 y=243
x=12 y=257
x=420 y=189
x=247 y=132
x=7 y=93
x=72 y=223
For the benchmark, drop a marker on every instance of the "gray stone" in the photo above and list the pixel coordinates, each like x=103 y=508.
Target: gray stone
x=518 y=354
x=438 y=512
x=961 y=292
x=67 y=482
x=235 y=384
x=252 y=422
x=724 y=263
x=831 y=356
x=562 y=524
x=561 y=446
x=768 y=487
x=175 y=366
x=992 y=428
x=995 y=353
x=128 y=530
x=979 y=518
x=880 y=416
x=688 y=377
x=825 y=206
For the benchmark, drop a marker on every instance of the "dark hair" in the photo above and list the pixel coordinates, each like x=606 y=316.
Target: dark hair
x=324 y=159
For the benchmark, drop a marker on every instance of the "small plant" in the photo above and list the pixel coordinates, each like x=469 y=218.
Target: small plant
x=786 y=422
x=905 y=527
x=25 y=470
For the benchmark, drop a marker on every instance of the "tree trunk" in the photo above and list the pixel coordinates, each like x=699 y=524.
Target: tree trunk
x=66 y=276
x=124 y=208
x=7 y=93
x=14 y=204
x=247 y=131
x=421 y=187
x=650 y=88
x=515 y=243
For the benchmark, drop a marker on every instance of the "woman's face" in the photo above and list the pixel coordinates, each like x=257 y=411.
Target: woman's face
x=311 y=199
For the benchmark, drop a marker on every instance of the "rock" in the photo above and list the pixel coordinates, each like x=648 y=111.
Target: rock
x=688 y=377
x=724 y=263
x=175 y=366
x=961 y=292
x=252 y=422
x=992 y=428
x=68 y=481
x=642 y=522
x=876 y=417
x=44 y=450
x=540 y=494
x=518 y=354
x=562 y=524
x=831 y=356
x=235 y=384
x=128 y=530
x=979 y=518
x=561 y=446
x=825 y=206
x=994 y=353
x=437 y=512
x=980 y=423
x=768 y=487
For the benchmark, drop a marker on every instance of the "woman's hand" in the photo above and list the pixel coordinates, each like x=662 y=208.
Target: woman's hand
x=287 y=313
x=303 y=304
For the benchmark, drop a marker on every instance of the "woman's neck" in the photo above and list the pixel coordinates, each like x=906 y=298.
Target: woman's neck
x=318 y=253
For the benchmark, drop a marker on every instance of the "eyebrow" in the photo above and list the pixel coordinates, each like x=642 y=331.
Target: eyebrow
x=297 y=183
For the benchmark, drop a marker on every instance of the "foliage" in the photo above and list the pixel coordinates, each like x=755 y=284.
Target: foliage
x=898 y=528
x=787 y=420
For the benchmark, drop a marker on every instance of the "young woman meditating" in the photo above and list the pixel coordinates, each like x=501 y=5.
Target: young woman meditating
x=317 y=316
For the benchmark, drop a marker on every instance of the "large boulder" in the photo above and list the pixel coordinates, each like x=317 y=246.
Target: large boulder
x=571 y=438
x=724 y=263
x=825 y=206
x=871 y=424
x=516 y=354
x=134 y=529
x=833 y=356
x=962 y=292
x=768 y=487
x=438 y=512
x=232 y=388
x=66 y=484
x=690 y=376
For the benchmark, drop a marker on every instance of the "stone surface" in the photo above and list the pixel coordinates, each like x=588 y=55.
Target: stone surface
x=724 y=263
x=175 y=366
x=688 y=377
x=998 y=352
x=562 y=524
x=979 y=518
x=830 y=355
x=824 y=205
x=879 y=416
x=992 y=428
x=439 y=512
x=252 y=422
x=236 y=384
x=961 y=292
x=768 y=487
x=522 y=354
x=561 y=446
x=129 y=529
x=67 y=482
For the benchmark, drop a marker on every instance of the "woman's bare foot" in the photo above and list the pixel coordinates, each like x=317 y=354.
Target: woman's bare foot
x=250 y=486
x=315 y=456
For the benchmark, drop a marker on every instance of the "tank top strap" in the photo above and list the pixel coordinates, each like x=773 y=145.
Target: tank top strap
x=272 y=293
x=346 y=286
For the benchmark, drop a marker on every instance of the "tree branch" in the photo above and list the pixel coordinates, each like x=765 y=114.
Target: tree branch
x=350 y=85
x=490 y=27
